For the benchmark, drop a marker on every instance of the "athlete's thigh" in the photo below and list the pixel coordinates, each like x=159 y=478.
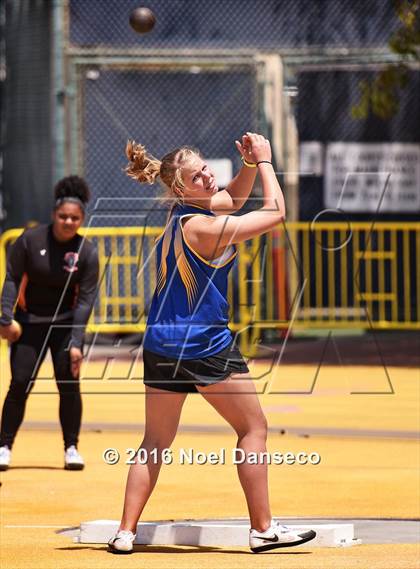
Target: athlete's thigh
x=163 y=411
x=28 y=353
x=236 y=400
x=59 y=341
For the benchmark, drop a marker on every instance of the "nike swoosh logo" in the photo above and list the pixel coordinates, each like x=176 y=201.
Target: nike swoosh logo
x=271 y=539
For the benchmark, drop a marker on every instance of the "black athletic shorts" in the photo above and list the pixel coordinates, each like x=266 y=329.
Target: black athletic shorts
x=183 y=375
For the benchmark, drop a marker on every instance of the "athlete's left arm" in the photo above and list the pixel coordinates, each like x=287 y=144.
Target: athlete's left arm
x=85 y=298
x=234 y=196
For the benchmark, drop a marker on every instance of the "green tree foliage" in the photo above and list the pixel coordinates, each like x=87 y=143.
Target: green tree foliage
x=381 y=95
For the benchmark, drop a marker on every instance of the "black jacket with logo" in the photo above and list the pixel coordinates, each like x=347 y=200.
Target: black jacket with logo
x=51 y=281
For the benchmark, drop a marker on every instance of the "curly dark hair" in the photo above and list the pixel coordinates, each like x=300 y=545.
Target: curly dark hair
x=72 y=187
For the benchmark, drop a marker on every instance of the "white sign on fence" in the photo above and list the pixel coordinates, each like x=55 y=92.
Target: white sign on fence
x=363 y=177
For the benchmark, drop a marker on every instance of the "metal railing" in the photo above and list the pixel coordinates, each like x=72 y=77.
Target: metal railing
x=301 y=275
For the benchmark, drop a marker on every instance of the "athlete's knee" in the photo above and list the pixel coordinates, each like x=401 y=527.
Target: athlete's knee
x=256 y=428
x=158 y=442
x=19 y=390
x=262 y=428
x=69 y=386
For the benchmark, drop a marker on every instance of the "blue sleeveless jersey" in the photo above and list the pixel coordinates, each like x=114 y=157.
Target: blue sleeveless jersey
x=188 y=317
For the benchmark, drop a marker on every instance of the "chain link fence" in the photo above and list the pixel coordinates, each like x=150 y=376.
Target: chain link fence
x=246 y=25
x=207 y=73
x=201 y=77
x=162 y=109
x=383 y=147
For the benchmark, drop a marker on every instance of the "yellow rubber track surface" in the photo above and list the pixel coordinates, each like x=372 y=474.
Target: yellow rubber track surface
x=360 y=475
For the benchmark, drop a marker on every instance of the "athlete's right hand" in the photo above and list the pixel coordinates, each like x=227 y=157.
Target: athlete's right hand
x=11 y=332
x=76 y=358
x=260 y=148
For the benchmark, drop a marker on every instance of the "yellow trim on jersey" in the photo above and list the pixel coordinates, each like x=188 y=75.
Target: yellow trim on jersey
x=214 y=266
x=162 y=272
x=184 y=268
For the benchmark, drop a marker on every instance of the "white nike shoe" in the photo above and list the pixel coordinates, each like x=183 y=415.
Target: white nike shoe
x=5 y=455
x=72 y=459
x=278 y=535
x=122 y=542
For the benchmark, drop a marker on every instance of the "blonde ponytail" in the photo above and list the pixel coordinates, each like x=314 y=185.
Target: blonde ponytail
x=141 y=166
x=146 y=168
